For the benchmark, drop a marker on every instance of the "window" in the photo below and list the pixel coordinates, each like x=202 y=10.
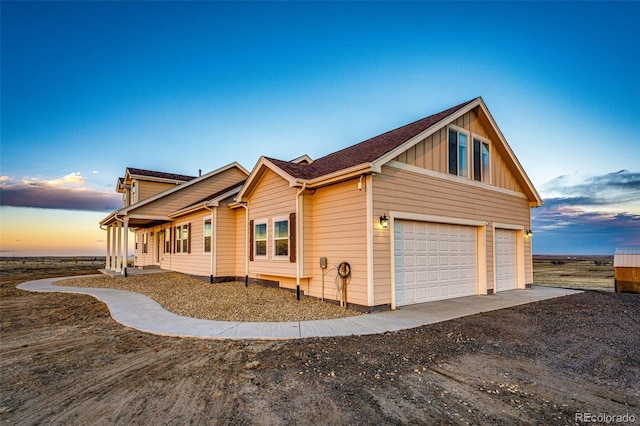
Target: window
x=167 y=240
x=134 y=193
x=207 y=236
x=281 y=237
x=480 y=160
x=145 y=243
x=458 y=153
x=182 y=238
x=260 y=239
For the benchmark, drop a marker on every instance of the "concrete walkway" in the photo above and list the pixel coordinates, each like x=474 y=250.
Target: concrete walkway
x=142 y=313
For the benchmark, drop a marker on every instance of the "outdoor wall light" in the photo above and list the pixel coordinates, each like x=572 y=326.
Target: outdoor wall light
x=528 y=233
x=384 y=221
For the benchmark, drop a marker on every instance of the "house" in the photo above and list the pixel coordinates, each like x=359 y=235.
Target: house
x=436 y=209
x=626 y=269
x=166 y=211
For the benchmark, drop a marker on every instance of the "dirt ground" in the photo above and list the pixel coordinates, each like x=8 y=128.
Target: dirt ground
x=65 y=361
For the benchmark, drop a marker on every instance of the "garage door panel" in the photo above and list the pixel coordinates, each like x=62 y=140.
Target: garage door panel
x=506 y=260
x=442 y=256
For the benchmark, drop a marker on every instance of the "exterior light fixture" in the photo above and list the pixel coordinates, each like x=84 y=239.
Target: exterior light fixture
x=528 y=233
x=384 y=221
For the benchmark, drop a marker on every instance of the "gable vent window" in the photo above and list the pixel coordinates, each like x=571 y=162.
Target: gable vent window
x=458 y=153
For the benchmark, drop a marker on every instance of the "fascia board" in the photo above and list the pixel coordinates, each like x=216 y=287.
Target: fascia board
x=111 y=217
x=511 y=154
x=147 y=217
x=210 y=203
x=257 y=172
x=340 y=175
x=214 y=202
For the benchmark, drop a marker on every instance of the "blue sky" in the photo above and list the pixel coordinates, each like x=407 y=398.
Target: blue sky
x=90 y=88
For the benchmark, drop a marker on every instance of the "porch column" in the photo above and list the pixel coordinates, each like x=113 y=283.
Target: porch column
x=119 y=248
x=108 y=259
x=126 y=242
x=112 y=257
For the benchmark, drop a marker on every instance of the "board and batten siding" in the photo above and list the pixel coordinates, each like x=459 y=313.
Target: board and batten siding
x=339 y=233
x=191 y=194
x=432 y=152
x=407 y=191
x=272 y=197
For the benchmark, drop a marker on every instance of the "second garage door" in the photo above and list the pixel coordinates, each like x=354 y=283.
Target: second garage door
x=506 y=260
x=434 y=261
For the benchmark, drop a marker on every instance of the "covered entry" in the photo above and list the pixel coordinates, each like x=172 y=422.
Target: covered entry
x=434 y=261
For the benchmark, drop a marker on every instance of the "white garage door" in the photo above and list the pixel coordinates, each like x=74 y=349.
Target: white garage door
x=506 y=263
x=434 y=261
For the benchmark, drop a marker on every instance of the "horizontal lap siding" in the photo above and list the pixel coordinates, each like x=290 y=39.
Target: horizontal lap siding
x=140 y=258
x=272 y=197
x=227 y=240
x=191 y=194
x=148 y=189
x=241 y=241
x=340 y=234
x=410 y=192
x=197 y=262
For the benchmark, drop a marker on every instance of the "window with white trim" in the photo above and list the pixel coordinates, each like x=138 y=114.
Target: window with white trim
x=145 y=243
x=207 y=235
x=260 y=239
x=281 y=237
x=458 y=152
x=481 y=160
x=182 y=238
x=167 y=240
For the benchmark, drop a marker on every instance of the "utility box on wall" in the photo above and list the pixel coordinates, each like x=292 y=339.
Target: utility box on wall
x=626 y=267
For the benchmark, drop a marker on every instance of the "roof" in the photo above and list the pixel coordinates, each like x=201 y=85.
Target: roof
x=213 y=198
x=370 y=155
x=364 y=152
x=159 y=175
x=627 y=257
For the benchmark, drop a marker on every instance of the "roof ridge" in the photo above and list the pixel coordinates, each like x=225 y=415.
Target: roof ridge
x=366 y=151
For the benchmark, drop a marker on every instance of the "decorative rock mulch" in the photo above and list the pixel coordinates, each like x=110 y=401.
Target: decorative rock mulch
x=184 y=295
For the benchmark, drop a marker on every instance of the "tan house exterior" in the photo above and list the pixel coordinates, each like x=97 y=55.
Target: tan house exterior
x=435 y=209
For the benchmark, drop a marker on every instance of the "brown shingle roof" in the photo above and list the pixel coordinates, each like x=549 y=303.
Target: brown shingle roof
x=161 y=175
x=363 y=152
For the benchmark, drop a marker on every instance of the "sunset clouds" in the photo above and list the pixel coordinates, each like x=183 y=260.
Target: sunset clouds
x=68 y=192
x=597 y=213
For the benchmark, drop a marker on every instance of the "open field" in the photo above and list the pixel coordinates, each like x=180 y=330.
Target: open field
x=65 y=361
x=582 y=272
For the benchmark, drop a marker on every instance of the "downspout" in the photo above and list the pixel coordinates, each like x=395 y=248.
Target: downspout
x=214 y=238
x=246 y=242
x=299 y=238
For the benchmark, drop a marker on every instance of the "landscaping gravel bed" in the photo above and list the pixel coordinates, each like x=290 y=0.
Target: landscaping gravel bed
x=184 y=295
